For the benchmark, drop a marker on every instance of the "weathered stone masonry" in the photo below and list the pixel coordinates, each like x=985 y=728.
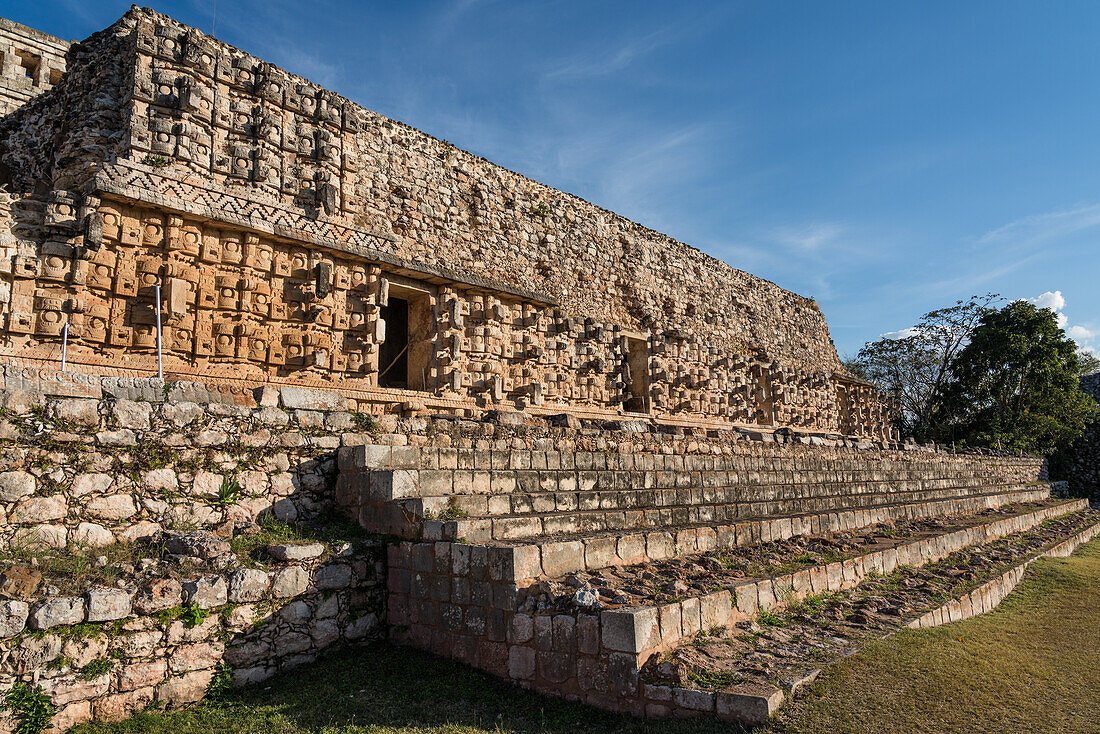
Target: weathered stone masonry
x=1079 y=463
x=299 y=238
x=30 y=63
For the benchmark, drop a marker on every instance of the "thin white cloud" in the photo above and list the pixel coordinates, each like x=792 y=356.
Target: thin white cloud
x=607 y=62
x=811 y=237
x=1038 y=228
x=1080 y=333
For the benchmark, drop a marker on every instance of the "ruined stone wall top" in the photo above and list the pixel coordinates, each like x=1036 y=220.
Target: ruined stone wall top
x=31 y=62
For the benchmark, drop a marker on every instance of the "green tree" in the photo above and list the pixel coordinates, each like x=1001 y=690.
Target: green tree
x=916 y=368
x=1015 y=383
x=1087 y=362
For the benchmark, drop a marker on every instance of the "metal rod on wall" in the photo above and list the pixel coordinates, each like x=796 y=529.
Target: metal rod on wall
x=160 y=367
x=64 y=344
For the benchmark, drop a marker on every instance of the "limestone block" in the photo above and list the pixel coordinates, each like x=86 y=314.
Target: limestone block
x=198 y=543
x=206 y=592
x=184 y=689
x=750 y=703
x=157 y=595
x=295 y=551
x=16 y=484
x=78 y=412
x=124 y=437
x=91 y=535
x=142 y=674
x=629 y=630
x=272 y=416
x=181 y=414
x=94 y=483
x=290 y=581
x=112 y=507
x=39 y=510
x=247 y=584
x=131 y=414
x=160 y=480
x=306 y=399
x=196 y=656
x=13 y=616
x=57 y=611
x=334 y=576
x=106 y=605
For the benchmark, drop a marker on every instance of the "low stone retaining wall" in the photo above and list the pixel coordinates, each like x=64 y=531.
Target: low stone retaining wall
x=462 y=601
x=109 y=652
x=986 y=597
x=91 y=472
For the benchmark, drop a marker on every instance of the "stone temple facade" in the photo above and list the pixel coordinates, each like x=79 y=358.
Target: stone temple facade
x=282 y=234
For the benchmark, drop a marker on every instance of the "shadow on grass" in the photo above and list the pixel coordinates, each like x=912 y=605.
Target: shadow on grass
x=386 y=688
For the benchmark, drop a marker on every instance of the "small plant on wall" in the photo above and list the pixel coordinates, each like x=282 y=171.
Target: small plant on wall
x=156 y=161
x=30 y=707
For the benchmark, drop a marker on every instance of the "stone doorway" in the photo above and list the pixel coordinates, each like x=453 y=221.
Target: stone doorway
x=637 y=375
x=404 y=359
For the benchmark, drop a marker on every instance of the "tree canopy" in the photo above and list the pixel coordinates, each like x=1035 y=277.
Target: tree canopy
x=1016 y=383
x=977 y=375
x=915 y=368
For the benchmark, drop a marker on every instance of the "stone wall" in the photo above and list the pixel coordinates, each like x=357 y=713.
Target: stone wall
x=279 y=221
x=173 y=627
x=1079 y=463
x=166 y=494
x=30 y=63
x=480 y=604
x=141 y=456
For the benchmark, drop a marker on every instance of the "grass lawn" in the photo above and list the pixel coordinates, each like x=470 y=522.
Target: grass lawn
x=1033 y=665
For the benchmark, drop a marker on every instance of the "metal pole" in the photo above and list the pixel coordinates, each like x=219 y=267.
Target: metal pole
x=64 y=344
x=160 y=366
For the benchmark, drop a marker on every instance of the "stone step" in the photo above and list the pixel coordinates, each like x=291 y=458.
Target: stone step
x=450 y=520
x=446 y=483
x=523 y=504
x=472 y=601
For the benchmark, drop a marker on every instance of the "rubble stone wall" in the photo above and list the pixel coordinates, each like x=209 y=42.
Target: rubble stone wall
x=279 y=219
x=171 y=636
x=1079 y=464
x=91 y=471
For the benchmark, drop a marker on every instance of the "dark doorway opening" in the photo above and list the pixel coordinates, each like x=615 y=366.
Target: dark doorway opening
x=405 y=357
x=637 y=375
x=393 y=357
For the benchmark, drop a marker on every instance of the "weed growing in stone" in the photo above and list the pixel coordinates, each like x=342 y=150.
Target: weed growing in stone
x=193 y=615
x=715 y=680
x=366 y=423
x=228 y=492
x=221 y=681
x=96 y=668
x=31 y=708
x=769 y=618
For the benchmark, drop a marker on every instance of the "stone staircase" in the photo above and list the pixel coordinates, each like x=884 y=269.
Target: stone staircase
x=479 y=496
x=487 y=529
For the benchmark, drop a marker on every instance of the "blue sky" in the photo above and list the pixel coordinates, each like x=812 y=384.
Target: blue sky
x=885 y=158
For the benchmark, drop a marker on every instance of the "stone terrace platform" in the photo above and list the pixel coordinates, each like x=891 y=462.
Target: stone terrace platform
x=489 y=529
